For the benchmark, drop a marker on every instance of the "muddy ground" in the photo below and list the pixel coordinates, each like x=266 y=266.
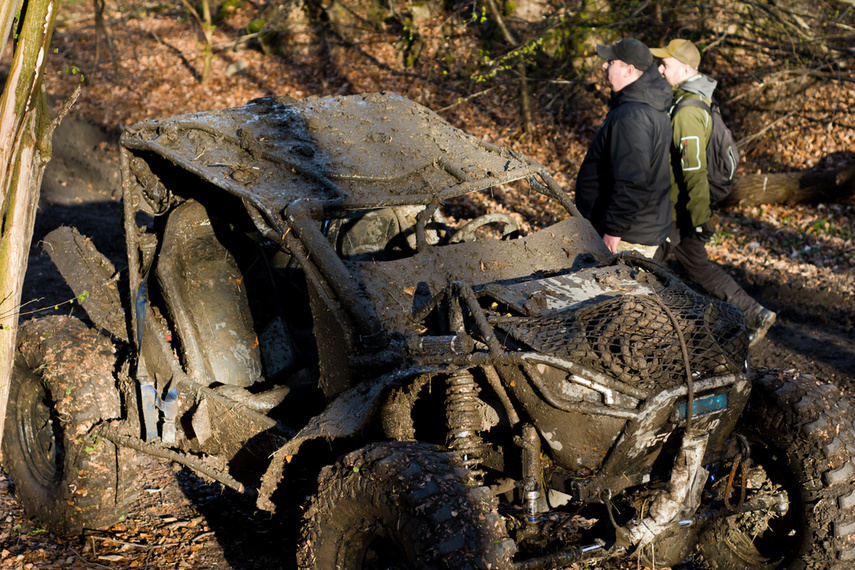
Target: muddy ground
x=183 y=522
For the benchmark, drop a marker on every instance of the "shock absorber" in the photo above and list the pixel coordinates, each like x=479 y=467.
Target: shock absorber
x=532 y=471
x=463 y=419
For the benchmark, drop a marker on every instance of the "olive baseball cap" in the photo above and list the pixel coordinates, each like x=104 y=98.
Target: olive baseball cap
x=682 y=50
x=628 y=50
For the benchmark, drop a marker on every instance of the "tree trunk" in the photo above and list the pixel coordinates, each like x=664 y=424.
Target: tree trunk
x=525 y=100
x=207 y=26
x=208 y=30
x=25 y=148
x=793 y=188
x=101 y=31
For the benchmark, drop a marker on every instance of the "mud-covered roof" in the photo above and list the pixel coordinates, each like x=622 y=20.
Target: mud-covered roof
x=360 y=150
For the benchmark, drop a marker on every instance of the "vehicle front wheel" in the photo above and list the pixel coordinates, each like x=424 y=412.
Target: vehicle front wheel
x=401 y=505
x=800 y=434
x=62 y=384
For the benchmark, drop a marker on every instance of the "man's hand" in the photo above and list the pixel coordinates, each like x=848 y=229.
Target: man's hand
x=705 y=232
x=611 y=242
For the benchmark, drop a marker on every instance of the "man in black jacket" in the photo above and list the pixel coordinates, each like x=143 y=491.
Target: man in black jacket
x=624 y=184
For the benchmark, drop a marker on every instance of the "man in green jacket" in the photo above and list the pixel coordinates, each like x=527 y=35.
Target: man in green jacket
x=692 y=228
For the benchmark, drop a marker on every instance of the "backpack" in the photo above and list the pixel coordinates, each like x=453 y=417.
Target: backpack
x=722 y=154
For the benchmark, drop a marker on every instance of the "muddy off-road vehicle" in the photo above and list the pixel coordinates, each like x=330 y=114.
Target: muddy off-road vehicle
x=339 y=298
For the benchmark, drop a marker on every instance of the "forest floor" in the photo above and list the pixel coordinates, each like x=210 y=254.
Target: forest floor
x=797 y=260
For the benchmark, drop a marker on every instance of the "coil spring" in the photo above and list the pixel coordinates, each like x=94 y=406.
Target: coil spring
x=463 y=419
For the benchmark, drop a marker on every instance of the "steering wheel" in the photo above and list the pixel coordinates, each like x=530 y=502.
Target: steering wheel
x=467 y=230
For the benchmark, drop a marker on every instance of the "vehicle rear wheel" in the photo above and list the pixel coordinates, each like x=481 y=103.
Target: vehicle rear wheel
x=62 y=384
x=800 y=432
x=401 y=505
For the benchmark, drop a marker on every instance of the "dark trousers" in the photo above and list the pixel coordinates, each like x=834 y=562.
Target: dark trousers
x=691 y=252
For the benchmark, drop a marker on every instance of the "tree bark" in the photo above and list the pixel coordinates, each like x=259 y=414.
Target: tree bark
x=7 y=19
x=793 y=188
x=25 y=148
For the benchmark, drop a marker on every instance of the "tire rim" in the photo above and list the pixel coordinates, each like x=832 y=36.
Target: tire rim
x=36 y=427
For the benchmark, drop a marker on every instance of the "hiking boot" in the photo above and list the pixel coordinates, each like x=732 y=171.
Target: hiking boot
x=758 y=329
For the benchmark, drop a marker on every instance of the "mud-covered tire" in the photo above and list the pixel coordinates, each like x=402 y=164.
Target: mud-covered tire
x=401 y=505
x=801 y=432
x=63 y=383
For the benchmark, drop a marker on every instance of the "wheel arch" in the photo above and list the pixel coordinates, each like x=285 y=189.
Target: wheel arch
x=801 y=433
x=345 y=417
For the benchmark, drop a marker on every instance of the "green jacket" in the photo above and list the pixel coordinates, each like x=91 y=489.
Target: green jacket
x=691 y=128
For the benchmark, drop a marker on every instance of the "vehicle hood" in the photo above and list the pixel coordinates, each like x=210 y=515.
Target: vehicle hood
x=551 y=270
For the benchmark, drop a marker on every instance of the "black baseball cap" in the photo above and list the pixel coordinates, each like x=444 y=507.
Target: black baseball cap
x=628 y=50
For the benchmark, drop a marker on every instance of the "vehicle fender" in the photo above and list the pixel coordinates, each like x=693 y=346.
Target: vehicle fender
x=344 y=417
x=91 y=276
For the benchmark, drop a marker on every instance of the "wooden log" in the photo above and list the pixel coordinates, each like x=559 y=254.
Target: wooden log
x=791 y=188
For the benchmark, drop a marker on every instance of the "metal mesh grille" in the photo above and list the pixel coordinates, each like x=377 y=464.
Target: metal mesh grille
x=633 y=339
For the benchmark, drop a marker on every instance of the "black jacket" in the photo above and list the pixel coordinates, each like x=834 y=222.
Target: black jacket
x=624 y=184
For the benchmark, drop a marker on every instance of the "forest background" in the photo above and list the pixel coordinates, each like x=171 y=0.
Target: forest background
x=522 y=74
